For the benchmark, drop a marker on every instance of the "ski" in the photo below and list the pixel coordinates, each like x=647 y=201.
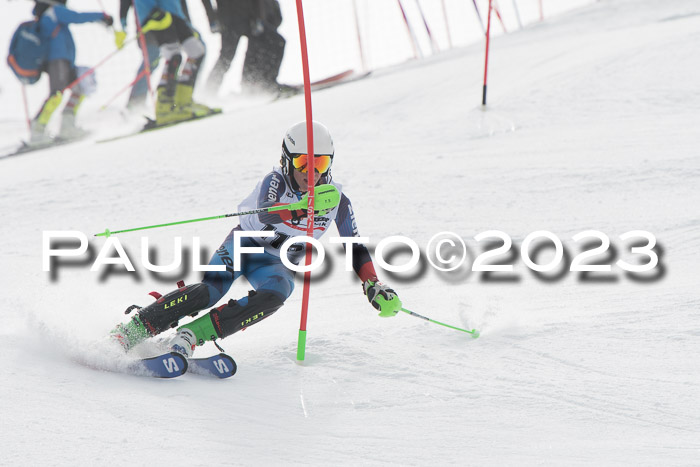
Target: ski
x=220 y=366
x=151 y=125
x=168 y=365
x=347 y=76
x=25 y=147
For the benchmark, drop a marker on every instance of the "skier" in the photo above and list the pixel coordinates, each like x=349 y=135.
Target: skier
x=54 y=19
x=258 y=20
x=272 y=281
x=139 y=91
x=174 y=34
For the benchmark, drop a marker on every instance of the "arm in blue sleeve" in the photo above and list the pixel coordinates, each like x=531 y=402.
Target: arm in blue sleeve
x=347 y=227
x=271 y=191
x=66 y=16
x=124 y=6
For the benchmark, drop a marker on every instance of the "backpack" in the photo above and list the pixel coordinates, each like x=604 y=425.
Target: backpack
x=28 y=52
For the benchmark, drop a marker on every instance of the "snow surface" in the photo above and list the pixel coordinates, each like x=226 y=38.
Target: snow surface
x=592 y=124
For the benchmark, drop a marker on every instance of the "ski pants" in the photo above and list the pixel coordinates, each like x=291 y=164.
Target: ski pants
x=61 y=74
x=140 y=89
x=264 y=271
x=262 y=61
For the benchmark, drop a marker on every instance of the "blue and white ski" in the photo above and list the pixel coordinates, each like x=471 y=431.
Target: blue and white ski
x=168 y=365
x=221 y=366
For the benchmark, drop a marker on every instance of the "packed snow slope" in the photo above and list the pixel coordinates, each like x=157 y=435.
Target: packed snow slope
x=591 y=124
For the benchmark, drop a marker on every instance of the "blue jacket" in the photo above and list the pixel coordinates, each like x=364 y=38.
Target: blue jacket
x=144 y=8
x=53 y=25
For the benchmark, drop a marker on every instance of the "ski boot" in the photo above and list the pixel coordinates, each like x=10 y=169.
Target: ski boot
x=184 y=102
x=183 y=342
x=69 y=131
x=37 y=134
x=233 y=316
x=162 y=314
x=166 y=110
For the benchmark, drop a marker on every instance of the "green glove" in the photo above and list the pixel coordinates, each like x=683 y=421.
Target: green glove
x=119 y=38
x=326 y=199
x=382 y=297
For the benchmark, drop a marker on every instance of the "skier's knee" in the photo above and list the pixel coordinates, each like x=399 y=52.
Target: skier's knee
x=169 y=50
x=215 y=294
x=278 y=284
x=167 y=310
x=193 y=47
x=239 y=314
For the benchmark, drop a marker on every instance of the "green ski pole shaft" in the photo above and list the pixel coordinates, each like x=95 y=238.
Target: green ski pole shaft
x=328 y=197
x=474 y=333
x=107 y=232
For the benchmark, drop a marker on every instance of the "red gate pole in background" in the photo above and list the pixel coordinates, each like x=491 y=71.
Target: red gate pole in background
x=359 y=37
x=447 y=24
x=433 y=44
x=26 y=108
x=481 y=22
x=301 y=343
x=486 y=60
x=517 y=15
x=498 y=14
x=410 y=31
x=144 y=49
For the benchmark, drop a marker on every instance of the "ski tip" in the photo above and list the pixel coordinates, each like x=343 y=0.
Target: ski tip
x=475 y=333
x=221 y=366
x=232 y=362
x=168 y=365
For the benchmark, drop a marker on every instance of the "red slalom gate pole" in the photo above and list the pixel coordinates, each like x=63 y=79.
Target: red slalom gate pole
x=311 y=170
x=481 y=23
x=410 y=31
x=447 y=24
x=486 y=60
x=26 y=108
x=359 y=36
x=144 y=49
x=128 y=86
x=433 y=45
x=498 y=15
x=92 y=70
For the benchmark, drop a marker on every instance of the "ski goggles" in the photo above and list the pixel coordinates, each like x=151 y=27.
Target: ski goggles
x=321 y=163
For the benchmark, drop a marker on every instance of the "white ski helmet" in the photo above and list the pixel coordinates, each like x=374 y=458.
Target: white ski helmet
x=294 y=144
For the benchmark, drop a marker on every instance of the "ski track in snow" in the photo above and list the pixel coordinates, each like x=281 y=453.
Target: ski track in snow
x=590 y=125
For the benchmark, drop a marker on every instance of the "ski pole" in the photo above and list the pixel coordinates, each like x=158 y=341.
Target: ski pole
x=479 y=16
x=433 y=44
x=26 y=107
x=102 y=7
x=121 y=91
x=474 y=333
x=145 y=72
x=99 y=64
x=141 y=34
x=327 y=197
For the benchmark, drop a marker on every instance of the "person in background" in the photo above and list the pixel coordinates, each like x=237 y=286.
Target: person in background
x=174 y=34
x=258 y=20
x=139 y=91
x=54 y=19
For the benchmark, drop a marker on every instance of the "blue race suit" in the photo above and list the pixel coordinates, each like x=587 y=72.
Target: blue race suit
x=54 y=28
x=265 y=271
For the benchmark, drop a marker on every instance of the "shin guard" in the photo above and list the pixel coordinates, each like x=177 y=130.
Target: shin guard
x=234 y=316
x=165 y=312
